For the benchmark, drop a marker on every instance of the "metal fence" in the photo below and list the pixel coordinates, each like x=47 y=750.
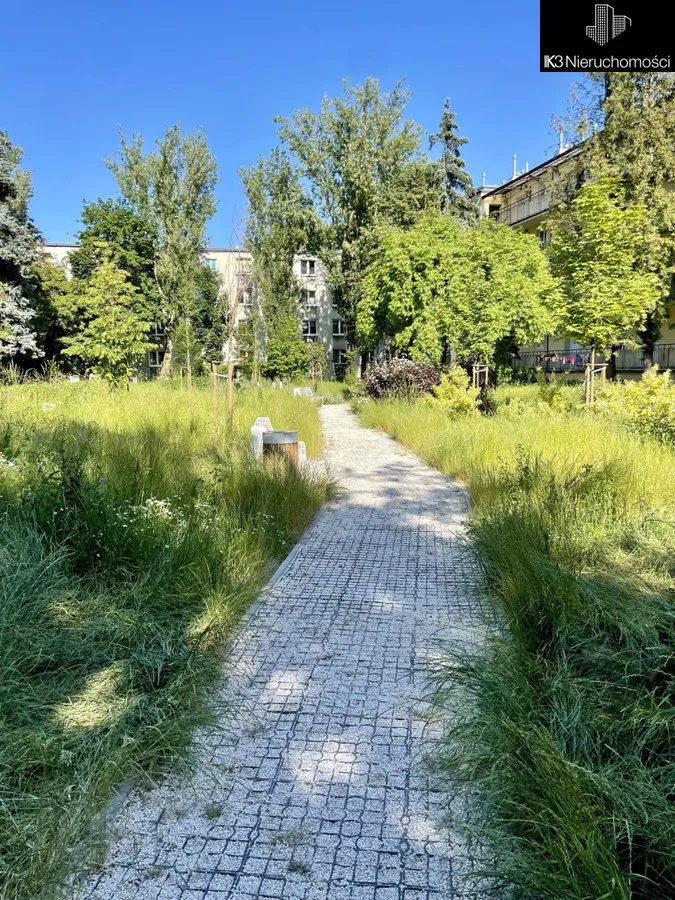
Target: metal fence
x=575 y=360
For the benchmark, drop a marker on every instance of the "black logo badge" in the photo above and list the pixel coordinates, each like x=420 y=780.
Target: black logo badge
x=620 y=39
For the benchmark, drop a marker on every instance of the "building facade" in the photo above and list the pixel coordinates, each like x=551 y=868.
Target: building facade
x=524 y=202
x=319 y=318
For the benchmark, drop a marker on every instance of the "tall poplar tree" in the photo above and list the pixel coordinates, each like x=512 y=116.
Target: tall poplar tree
x=349 y=154
x=278 y=226
x=172 y=189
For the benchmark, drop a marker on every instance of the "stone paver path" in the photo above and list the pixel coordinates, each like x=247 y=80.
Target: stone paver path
x=316 y=787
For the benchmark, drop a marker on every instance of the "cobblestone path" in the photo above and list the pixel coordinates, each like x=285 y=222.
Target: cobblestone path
x=315 y=787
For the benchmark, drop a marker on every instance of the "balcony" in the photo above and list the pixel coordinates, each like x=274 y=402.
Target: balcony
x=575 y=360
x=513 y=213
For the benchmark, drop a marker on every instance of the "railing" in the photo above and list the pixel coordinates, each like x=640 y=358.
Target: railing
x=575 y=360
x=523 y=209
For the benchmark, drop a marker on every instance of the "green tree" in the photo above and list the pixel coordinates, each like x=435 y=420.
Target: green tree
x=278 y=226
x=113 y=335
x=458 y=196
x=132 y=244
x=600 y=253
x=286 y=354
x=56 y=311
x=18 y=254
x=249 y=337
x=349 y=154
x=628 y=122
x=317 y=361
x=439 y=288
x=211 y=315
x=171 y=189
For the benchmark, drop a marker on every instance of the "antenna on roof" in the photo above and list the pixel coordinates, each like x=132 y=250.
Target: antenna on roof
x=67 y=237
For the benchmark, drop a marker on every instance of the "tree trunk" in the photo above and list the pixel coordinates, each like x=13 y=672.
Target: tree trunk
x=611 y=365
x=165 y=370
x=649 y=335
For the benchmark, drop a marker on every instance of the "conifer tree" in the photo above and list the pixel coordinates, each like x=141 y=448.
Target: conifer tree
x=457 y=190
x=18 y=253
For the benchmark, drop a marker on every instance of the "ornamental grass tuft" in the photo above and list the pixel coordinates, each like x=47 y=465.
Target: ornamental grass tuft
x=132 y=538
x=561 y=722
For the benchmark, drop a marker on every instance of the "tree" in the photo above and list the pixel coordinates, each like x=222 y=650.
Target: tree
x=458 y=197
x=277 y=227
x=286 y=353
x=171 y=189
x=18 y=253
x=132 y=244
x=599 y=251
x=439 y=288
x=317 y=361
x=249 y=341
x=628 y=121
x=113 y=335
x=349 y=154
x=211 y=315
x=56 y=311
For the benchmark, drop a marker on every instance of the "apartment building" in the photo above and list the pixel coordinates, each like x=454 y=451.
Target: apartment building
x=524 y=202
x=319 y=318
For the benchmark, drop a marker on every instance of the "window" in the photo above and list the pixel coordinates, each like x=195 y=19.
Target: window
x=309 y=329
x=245 y=298
x=544 y=238
x=493 y=210
x=339 y=329
x=211 y=263
x=309 y=298
x=157 y=330
x=339 y=357
x=307 y=267
x=155 y=359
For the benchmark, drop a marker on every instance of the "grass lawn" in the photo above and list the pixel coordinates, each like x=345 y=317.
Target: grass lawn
x=563 y=722
x=132 y=537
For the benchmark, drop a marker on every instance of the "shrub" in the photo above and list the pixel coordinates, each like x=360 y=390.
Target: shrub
x=453 y=395
x=646 y=406
x=401 y=378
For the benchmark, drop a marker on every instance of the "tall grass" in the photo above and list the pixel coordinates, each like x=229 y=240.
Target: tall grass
x=132 y=537
x=563 y=722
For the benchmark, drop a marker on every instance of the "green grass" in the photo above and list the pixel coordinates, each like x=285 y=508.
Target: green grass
x=132 y=537
x=563 y=722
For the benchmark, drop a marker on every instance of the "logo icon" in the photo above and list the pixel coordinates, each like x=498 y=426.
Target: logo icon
x=607 y=24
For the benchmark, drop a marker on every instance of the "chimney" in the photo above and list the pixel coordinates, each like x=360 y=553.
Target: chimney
x=527 y=165
x=483 y=185
x=515 y=160
x=561 y=146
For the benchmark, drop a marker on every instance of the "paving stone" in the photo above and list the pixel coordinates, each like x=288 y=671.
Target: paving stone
x=317 y=766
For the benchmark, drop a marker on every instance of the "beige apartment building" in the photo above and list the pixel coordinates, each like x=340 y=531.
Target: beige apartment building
x=524 y=202
x=319 y=318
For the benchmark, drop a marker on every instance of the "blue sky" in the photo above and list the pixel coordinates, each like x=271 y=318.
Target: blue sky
x=73 y=73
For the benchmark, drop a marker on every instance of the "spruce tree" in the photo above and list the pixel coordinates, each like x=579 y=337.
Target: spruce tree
x=18 y=252
x=457 y=190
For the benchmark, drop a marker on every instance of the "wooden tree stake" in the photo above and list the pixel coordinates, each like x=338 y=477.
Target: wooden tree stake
x=230 y=395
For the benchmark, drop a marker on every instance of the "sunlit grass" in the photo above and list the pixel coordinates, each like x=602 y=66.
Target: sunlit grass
x=133 y=534
x=562 y=725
